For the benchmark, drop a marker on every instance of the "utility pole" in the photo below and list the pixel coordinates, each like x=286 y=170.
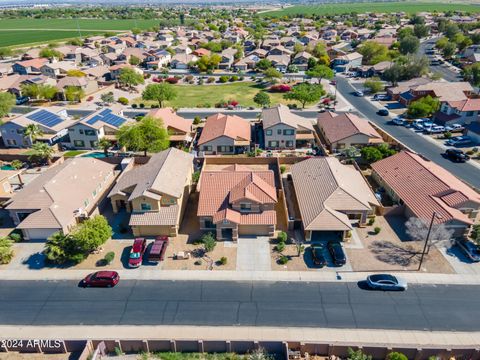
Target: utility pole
x=78 y=27
x=434 y=215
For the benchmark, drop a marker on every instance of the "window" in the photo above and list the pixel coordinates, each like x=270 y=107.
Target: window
x=207 y=148
x=469 y=113
x=272 y=143
x=245 y=206
x=90 y=132
x=86 y=202
x=209 y=224
x=19 y=131
x=11 y=142
x=93 y=143
x=81 y=131
x=289 y=144
x=279 y=132
x=71 y=130
x=79 y=143
x=94 y=193
x=288 y=132
x=146 y=207
x=268 y=132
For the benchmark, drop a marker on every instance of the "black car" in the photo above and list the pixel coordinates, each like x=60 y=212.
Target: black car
x=383 y=112
x=456 y=155
x=317 y=255
x=470 y=249
x=336 y=251
x=22 y=100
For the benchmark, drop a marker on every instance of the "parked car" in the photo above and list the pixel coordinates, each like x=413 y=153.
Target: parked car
x=383 y=112
x=22 y=100
x=317 y=255
x=136 y=254
x=458 y=141
x=101 y=279
x=336 y=251
x=358 y=93
x=380 y=97
x=434 y=129
x=418 y=124
x=398 y=120
x=454 y=128
x=470 y=249
x=333 y=82
x=158 y=249
x=456 y=155
x=386 y=282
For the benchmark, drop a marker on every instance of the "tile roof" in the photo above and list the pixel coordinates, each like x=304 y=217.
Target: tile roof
x=281 y=114
x=324 y=188
x=165 y=215
x=466 y=105
x=219 y=125
x=171 y=119
x=165 y=173
x=36 y=63
x=425 y=187
x=341 y=126
x=219 y=189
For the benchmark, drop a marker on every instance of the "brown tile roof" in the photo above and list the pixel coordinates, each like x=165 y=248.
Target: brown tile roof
x=219 y=189
x=324 y=188
x=341 y=126
x=219 y=125
x=466 y=105
x=36 y=63
x=281 y=114
x=165 y=215
x=171 y=119
x=425 y=187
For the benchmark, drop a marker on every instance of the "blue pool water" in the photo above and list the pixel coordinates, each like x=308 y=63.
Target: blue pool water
x=7 y=167
x=96 y=155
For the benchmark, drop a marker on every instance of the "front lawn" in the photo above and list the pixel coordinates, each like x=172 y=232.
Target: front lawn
x=73 y=153
x=209 y=95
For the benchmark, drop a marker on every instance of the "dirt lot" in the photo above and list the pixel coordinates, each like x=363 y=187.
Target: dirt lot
x=296 y=263
x=392 y=249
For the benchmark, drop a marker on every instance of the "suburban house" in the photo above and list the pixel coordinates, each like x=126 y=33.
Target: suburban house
x=228 y=57
x=31 y=66
x=248 y=62
x=331 y=198
x=53 y=122
x=179 y=128
x=61 y=197
x=57 y=68
x=301 y=60
x=423 y=188
x=237 y=201
x=348 y=61
x=104 y=123
x=340 y=131
x=225 y=134
x=458 y=112
x=279 y=62
x=88 y=86
x=156 y=193
x=182 y=61
x=9 y=181
x=285 y=130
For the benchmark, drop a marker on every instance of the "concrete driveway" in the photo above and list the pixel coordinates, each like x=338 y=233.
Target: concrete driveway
x=253 y=253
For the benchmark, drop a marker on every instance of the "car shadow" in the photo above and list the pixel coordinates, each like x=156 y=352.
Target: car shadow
x=125 y=256
x=362 y=284
x=459 y=254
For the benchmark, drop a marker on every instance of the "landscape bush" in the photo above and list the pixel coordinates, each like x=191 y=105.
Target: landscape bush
x=223 y=260
x=283 y=260
x=208 y=241
x=282 y=168
x=6 y=251
x=123 y=100
x=172 y=80
x=377 y=230
x=280 y=88
x=282 y=236
x=109 y=257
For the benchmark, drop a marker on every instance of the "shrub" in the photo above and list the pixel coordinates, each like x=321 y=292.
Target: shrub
x=223 y=79
x=196 y=176
x=172 y=80
x=142 y=105
x=282 y=236
x=189 y=78
x=109 y=257
x=396 y=356
x=123 y=100
x=280 y=247
x=281 y=88
x=223 y=260
x=233 y=103
x=233 y=78
x=6 y=251
x=470 y=152
x=118 y=351
x=198 y=262
x=371 y=221
x=447 y=135
x=282 y=168
x=210 y=80
x=283 y=260
x=16 y=164
x=134 y=106
x=377 y=230
x=208 y=241
x=197 y=120
x=16 y=236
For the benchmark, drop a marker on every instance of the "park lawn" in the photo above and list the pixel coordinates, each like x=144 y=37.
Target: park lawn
x=208 y=95
x=24 y=37
x=375 y=7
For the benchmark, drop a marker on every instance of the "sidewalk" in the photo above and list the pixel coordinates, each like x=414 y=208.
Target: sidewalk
x=226 y=275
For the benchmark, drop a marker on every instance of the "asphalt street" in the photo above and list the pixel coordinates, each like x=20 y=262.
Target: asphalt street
x=331 y=305
x=465 y=171
x=441 y=69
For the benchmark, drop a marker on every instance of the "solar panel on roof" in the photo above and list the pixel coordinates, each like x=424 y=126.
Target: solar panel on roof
x=107 y=117
x=105 y=112
x=94 y=119
x=45 y=118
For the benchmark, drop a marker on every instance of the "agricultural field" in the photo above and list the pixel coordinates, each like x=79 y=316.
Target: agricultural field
x=16 y=32
x=203 y=95
x=378 y=7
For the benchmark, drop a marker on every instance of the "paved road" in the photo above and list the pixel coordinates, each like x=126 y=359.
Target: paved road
x=443 y=70
x=334 y=305
x=466 y=171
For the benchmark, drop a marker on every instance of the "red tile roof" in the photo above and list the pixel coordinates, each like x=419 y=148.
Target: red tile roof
x=171 y=119
x=425 y=187
x=466 y=105
x=219 y=125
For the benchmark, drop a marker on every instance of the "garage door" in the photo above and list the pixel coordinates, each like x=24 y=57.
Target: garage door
x=153 y=230
x=39 y=234
x=319 y=236
x=263 y=230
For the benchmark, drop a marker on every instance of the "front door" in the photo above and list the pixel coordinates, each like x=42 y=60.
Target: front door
x=227 y=234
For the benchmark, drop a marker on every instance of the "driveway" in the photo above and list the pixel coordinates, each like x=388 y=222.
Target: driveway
x=253 y=254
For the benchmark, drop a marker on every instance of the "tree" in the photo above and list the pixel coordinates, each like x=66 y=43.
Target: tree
x=374 y=85
x=371 y=154
x=104 y=144
x=5 y=52
x=259 y=354
x=147 y=135
x=74 y=93
x=320 y=72
x=33 y=132
x=208 y=241
x=421 y=30
x=449 y=50
x=57 y=248
x=130 y=77
x=373 y=52
x=396 y=356
x=423 y=107
x=42 y=151
x=262 y=99
x=6 y=251
x=305 y=93
x=472 y=74
x=92 y=233
x=404 y=32
x=134 y=60
x=7 y=101
x=30 y=90
x=159 y=92
x=357 y=355
x=417 y=229
x=206 y=63
x=50 y=53
x=272 y=74
x=409 y=45
x=107 y=97
x=47 y=92
x=264 y=64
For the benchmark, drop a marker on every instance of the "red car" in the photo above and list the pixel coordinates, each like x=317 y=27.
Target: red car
x=101 y=279
x=136 y=254
x=159 y=247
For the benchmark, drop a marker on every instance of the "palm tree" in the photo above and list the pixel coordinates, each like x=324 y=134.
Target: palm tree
x=33 y=132
x=104 y=144
x=42 y=151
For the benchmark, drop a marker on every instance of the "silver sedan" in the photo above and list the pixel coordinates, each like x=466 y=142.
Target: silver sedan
x=386 y=282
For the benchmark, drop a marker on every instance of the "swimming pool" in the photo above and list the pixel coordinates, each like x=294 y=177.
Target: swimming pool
x=7 y=167
x=96 y=155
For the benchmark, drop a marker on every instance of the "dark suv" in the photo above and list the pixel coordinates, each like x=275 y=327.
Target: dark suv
x=456 y=155
x=336 y=251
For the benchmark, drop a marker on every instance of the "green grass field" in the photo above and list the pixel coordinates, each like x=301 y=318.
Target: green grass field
x=199 y=95
x=15 y=32
x=378 y=7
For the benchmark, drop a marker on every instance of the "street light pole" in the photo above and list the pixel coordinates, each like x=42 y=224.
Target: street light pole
x=434 y=215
